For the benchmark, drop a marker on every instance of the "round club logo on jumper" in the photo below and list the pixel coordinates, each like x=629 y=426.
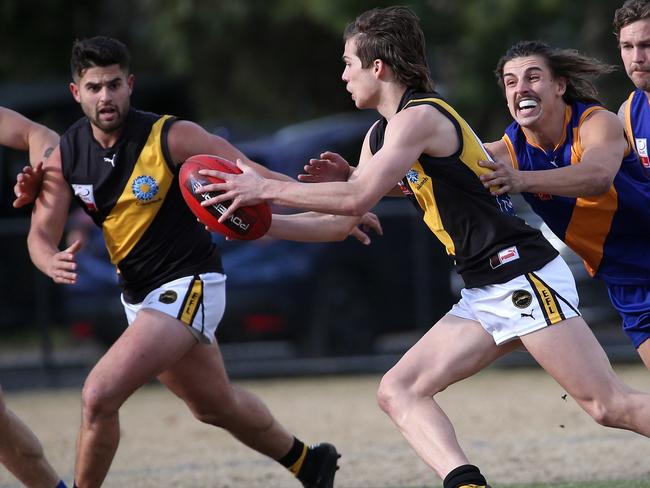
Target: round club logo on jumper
x=144 y=188
x=521 y=298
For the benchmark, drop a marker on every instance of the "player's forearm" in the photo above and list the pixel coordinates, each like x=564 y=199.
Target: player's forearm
x=570 y=181
x=41 y=249
x=311 y=227
x=267 y=173
x=340 y=198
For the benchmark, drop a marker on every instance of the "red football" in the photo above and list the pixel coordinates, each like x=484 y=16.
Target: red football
x=247 y=223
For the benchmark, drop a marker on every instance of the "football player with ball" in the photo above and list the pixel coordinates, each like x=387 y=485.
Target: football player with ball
x=121 y=165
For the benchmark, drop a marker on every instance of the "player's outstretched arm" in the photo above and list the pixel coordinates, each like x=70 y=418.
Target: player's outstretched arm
x=603 y=145
x=47 y=225
x=407 y=137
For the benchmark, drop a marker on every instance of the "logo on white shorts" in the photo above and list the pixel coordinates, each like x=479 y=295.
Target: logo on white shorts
x=521 y=298
x=528 y=314
x=168 y=296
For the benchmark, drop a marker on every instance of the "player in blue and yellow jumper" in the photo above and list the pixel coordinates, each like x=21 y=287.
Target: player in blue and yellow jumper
x=572 y=162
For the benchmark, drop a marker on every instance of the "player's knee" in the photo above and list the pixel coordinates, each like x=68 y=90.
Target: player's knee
x=210 y=417
x=218 y=415
x=609 y=412
x=391 y=393
x=96 y=402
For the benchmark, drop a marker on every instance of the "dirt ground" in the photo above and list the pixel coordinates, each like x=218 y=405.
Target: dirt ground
x=513 y=423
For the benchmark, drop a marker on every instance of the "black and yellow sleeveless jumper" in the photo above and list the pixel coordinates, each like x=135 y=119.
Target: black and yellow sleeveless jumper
x=131 y=192
x=474 y=226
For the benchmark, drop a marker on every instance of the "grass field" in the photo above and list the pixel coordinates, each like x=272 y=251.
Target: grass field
x=522 y=431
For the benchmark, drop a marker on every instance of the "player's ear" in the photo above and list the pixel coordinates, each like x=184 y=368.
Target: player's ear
x=378 y=67
x=561 y=85
x=130 y=81
x=74 y=89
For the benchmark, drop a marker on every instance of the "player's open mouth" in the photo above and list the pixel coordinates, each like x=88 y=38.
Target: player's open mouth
x=107 y=111
x=526 y=105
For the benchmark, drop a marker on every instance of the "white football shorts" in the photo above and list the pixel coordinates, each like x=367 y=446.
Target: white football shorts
x=522 y=305
x=197 y=301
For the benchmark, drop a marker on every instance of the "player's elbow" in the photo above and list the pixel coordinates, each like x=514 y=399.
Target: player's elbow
x=355 y=205
x=599 y=183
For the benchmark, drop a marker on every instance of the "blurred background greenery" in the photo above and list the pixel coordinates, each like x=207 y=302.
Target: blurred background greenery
x=270 y=62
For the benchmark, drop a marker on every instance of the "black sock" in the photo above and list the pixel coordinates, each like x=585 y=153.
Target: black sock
x=295 y=458
x=466 y=474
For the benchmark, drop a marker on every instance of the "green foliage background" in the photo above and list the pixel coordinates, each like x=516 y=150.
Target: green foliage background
x=278 y=61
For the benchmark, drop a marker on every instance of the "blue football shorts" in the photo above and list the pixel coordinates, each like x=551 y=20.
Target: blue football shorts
x=633 y=304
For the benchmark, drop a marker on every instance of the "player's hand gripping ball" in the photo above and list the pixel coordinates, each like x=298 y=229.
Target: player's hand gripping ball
x=247 y=223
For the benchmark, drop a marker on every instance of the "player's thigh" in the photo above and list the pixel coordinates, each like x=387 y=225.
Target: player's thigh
x=150 y=345
x=570 y=353
x=453 y=349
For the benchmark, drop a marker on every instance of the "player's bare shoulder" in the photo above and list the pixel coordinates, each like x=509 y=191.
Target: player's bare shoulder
x=428 y=125
x=602 y=123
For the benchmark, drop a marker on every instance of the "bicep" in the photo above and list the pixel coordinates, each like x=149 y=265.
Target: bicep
x=603 y=142
x=379 y=173
x=187 y=139
x=14 y=129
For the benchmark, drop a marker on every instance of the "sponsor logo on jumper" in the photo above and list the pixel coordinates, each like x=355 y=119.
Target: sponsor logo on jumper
x=521 y=299
x=544 y=196
x=110 y=159
x=404 y=188
x=642 y=151
x=504 y=256
x=86 y=195
x=413 y=176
